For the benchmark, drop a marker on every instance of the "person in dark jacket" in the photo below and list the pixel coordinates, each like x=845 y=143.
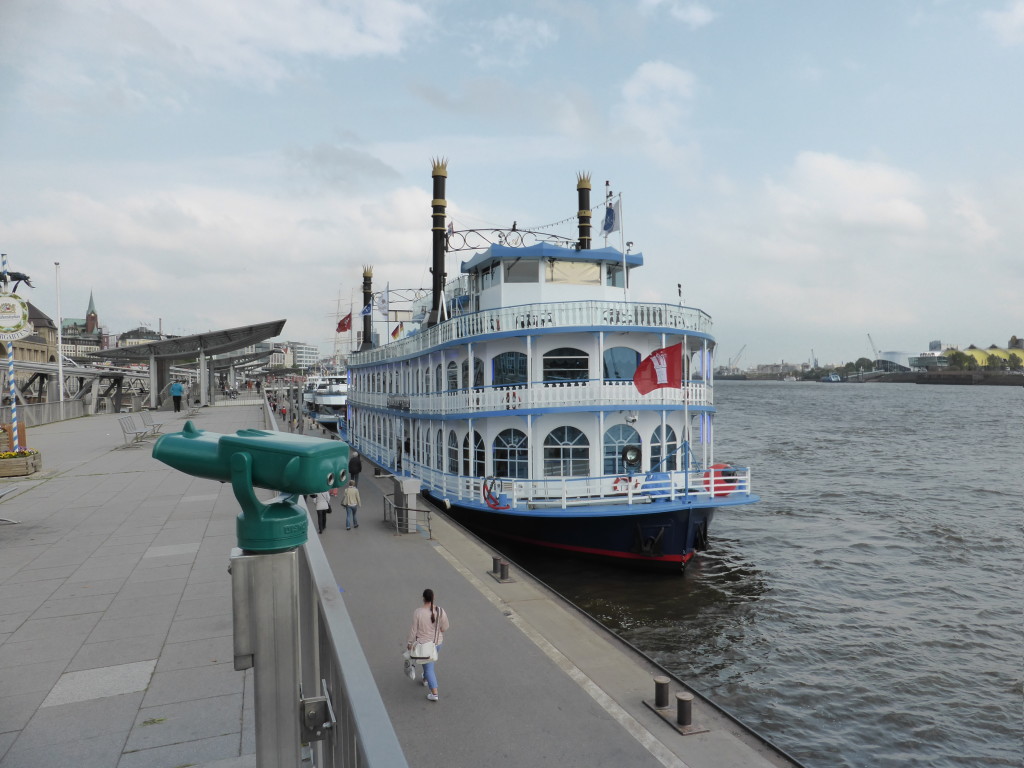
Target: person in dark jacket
x=355 y=466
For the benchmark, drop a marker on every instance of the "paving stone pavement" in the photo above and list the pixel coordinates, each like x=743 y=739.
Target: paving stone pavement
x=115 y=607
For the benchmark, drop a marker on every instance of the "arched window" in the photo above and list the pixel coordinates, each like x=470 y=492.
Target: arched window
x=453 y=376
x=617 y=437
x=426 y=448
x=566 y=364
x=697 y=365
x=566 y=453
x=620 y=363
x=426 y=382
x=478 y=373
x=511 y=454
x=438 y=379
x=473 y=461
x=439 y=452
x=672 y=462
x=508 y=369
x=453 y=453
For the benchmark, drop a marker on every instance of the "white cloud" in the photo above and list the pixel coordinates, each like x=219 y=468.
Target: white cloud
x=827 y=188
x=1007 y=25
x=512 y=41
x=693 y=15
x=655 y=102
x=134 y=52
x=974 y=225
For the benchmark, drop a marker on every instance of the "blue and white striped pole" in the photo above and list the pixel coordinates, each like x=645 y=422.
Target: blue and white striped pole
x=10 y=375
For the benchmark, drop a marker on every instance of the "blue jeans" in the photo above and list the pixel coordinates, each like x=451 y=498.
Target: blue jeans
x=429 y=674
x=350 y=516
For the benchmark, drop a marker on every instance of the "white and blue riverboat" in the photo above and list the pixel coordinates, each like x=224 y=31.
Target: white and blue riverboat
x=515 y=405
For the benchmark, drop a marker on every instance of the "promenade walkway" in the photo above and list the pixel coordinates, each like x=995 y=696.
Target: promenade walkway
x=116 y=648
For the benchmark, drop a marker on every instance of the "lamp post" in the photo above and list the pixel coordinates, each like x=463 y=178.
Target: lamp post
x=60 y=347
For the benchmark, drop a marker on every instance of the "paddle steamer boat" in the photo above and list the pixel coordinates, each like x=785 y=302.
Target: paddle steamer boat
x=536 y=402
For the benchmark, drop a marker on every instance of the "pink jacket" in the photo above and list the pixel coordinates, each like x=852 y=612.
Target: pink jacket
x=423 y=630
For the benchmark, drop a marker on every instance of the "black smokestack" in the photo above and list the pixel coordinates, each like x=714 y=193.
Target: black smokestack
x=367 y=301
x=583 y=195
x=437 y=230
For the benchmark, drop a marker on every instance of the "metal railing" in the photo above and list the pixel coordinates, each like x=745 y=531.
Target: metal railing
x=406 y=519
x=595 y=393
x=565 y=492
x=696 y=484
x=362 y=733
x=34 y=414
x=617 y=315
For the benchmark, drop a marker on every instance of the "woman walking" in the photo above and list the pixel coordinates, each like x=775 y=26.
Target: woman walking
x=429 y=623
x=323 y=506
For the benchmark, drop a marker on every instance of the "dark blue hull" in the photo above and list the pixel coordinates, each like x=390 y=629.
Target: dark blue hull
x=666 y=538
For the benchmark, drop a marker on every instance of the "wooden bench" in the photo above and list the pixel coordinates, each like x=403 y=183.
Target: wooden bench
x=153 y=425
x=132 y=434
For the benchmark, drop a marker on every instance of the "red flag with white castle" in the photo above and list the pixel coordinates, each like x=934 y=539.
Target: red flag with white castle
x=661 y=368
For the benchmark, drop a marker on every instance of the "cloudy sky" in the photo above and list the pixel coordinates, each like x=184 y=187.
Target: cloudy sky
x=809 y=171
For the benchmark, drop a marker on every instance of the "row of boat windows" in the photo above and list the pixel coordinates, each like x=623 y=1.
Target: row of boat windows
x=566 y=451
x=507 y=369
x=555 y=271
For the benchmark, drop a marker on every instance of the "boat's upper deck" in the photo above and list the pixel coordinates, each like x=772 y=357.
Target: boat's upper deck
x=503 y=276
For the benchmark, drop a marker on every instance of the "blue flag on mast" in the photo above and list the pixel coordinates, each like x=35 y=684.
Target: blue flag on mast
x=611 y=218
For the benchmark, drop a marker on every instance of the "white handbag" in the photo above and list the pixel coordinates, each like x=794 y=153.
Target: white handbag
x=424 y=653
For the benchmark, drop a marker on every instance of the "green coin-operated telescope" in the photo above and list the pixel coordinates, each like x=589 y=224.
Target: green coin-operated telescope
x=257 y=458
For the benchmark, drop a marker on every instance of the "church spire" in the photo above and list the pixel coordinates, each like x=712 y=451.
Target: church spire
x=92 y=320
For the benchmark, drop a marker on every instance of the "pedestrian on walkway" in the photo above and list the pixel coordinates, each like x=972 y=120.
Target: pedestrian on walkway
x=355 y=466
x=323 y=508
x=177 y=390
x=351 y=502
x=429 y=623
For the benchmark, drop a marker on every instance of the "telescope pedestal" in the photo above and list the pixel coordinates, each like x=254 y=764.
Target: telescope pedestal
x=265 y=607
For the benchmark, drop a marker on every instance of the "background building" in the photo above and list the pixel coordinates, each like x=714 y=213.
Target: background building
x=81 y=336
x=304 y=355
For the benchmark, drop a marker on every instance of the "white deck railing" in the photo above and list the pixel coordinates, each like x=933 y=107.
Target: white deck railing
x=567 y=492
x=568 y=315
x=588 y=393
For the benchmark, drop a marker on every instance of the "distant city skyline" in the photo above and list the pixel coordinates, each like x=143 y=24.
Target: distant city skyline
x=807 y=172
x=748 y=361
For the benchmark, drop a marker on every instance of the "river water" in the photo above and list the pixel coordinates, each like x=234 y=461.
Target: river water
x=869 y=611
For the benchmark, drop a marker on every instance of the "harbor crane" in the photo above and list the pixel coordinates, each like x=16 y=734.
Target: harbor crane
x=874 y=351
x=734 y=361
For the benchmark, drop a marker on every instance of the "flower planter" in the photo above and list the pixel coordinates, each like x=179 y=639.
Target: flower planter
x=21 y=465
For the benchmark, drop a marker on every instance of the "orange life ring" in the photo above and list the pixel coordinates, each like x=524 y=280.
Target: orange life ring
x=623 y=484
x=720 y=479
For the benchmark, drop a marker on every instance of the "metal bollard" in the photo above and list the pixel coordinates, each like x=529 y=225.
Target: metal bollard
x=504 y=570
x=661 y=692
x=495 y=564
x=684 y=708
